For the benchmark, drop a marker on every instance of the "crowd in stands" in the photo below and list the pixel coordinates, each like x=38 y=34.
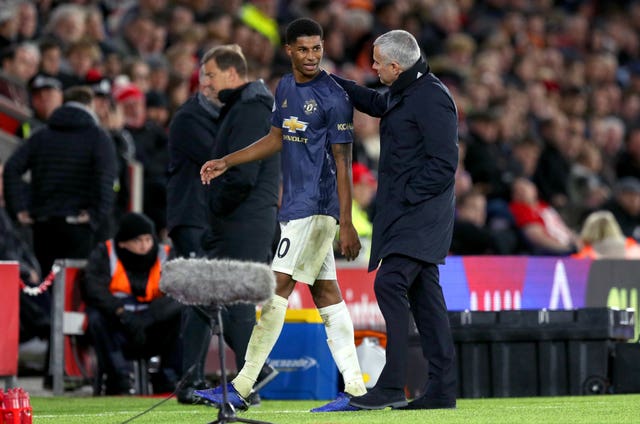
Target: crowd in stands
x=548 y=91
x=548 y=97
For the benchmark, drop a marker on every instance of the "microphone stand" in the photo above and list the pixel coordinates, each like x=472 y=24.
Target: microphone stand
x=226 y=413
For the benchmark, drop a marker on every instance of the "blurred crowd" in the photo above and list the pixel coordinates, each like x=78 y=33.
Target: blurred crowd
x=548 y=94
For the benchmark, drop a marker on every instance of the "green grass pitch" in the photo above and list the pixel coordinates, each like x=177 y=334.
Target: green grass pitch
x=600 y=409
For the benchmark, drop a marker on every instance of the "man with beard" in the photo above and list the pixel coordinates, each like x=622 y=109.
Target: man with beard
x=128 y=315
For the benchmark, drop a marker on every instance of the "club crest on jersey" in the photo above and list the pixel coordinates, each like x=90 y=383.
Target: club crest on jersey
x=292 y=124
x=284 y=104
x=310 y=106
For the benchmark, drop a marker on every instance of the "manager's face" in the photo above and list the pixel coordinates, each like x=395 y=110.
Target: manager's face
x=387 y=70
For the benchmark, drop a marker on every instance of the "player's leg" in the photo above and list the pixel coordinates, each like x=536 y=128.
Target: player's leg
x=264 y=335
x=340 y=334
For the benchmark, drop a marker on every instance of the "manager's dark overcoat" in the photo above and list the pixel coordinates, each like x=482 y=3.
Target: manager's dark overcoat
x=418 y=160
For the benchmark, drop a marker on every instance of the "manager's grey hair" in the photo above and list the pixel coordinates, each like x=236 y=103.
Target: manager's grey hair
x=398 y=46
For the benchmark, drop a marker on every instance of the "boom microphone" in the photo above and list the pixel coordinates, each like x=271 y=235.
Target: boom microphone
x=217 y=281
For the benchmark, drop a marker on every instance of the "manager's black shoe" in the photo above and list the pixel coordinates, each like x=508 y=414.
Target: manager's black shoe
x=424 y=402
x=378 y=398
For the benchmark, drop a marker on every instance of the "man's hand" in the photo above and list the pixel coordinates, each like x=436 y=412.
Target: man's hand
x=24 y=218
x=349 y=241
x=84 y=217
x=212 y=169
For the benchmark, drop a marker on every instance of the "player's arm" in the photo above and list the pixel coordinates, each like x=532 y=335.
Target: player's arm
x=349 y=241
x=263 y=148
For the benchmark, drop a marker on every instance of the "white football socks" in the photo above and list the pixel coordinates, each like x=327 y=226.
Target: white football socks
x=340 y=337
x=263 y=338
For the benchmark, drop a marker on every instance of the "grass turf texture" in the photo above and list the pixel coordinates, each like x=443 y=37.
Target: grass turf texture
x=583 y=409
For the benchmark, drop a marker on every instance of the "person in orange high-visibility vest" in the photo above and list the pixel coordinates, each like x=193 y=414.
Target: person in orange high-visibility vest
x=128 y=315
x=603 y=238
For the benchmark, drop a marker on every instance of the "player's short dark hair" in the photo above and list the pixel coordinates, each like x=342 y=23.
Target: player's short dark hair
x=303 y=27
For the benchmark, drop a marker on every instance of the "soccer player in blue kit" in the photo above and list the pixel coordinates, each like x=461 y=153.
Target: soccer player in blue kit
x=312 y=127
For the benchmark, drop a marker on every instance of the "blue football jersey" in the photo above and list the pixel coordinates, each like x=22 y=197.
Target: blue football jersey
x=313 y=116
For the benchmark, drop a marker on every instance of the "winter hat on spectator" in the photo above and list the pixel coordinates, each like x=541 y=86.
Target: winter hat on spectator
x=127 y=92
x=41 y=81
x=133 y=225
x=362 y=174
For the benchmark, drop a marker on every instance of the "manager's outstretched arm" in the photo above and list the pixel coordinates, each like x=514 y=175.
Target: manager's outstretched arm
x=263 y=148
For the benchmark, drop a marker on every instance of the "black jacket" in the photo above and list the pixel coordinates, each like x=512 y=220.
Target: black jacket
x=73 y=168
x=192 y=134
x=418 y=160
x=243 y=201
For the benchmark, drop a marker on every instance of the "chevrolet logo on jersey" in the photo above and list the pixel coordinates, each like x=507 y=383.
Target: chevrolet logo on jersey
x=292 y=124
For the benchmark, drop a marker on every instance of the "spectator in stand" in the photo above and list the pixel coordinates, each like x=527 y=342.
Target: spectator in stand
x=138 y=72
x=486 y=157
x=66 y=24
x=82 y=57
x=471 y=236
x=554 y=164
x=72 y=164
x=158 y=73
x=158 y=108
x=46 y=96
x=542 y=227
x=526 y=153
x=21 y=61
x=150 y=149
x=27 y=20
x=586 y=187
x=50 y=57
x=111 y=118
x=625 y=206
x=8 y=27
x=128 y=315
x=95 y=30
x=603 y=238
x=628 y=162
x=137 y=37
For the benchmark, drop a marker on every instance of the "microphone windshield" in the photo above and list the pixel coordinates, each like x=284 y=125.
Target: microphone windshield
x=217 y=281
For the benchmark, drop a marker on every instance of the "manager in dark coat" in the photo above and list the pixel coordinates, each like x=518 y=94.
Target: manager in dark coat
x=412 y=231
x=192 y=135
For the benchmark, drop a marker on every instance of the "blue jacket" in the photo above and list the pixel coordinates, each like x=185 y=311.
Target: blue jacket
x=418 y=160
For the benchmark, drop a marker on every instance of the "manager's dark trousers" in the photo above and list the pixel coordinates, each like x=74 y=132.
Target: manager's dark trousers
x=403 y=284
